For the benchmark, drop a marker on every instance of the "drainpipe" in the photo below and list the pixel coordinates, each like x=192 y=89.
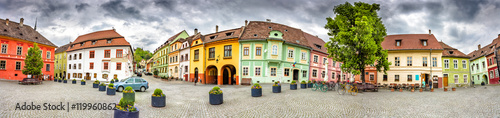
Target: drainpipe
x=430 y=76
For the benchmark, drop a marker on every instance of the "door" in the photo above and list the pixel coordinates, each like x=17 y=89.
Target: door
x=296 y=75
x=196 y=74
x=225 y=76
x=87 y=76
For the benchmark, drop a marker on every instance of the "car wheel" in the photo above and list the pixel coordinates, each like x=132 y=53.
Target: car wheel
x=143 y=89
x=120 y=89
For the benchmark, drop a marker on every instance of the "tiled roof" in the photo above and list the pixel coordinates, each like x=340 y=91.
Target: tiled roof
x=451 y=52
x=485 y=50
x=101 y=40
x=191 y=38
x=221 y=35
x=411 y=42
x=314 y=42
x=261 y=29
x=24 y=32
x=169 y=40
x=62 y=48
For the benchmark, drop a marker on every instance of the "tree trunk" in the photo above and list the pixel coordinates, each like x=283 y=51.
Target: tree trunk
x=363 y=75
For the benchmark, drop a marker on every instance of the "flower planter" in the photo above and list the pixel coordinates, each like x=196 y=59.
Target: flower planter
x=116 y=80
x=400 y=90
x=445 y=89
x=310 y=85
x=303 y=86
x=74 y=82
x=111 y=81
x=412 y=90
x=102 y=88
x=55 y=80
x=453 y=89
x=421 y=90
x=110 y=91
x=158 y=101
x=129 y=96
x=83 y=83
x=276 y=89
x=65 y=81
x=256 y=92
x=95 y=85
x=392 y=89
x=432 y=90
x=126 y=114
x=59 y=81
x=293 y=86
x=215 y=99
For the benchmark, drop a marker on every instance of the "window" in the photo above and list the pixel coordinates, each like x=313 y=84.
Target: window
x=176 y=69
x=496 y=73
x=489 y=61
x=317 y=46
x=372 y=77
x=333 y=63
x=79 y=75
x=119 y=53
x=74 y=66
x=434 y=62
x=465 y=78
x=69 y=66
x=398 y=42
x=245 y=51
x=257 y=71
x=4 y=48
x=80 y=56
x=290 y=53
x=74 y=57
x=69 y=57
x=107 y=53
x=19 y=50
x=108 y=41
x=273 y=71
x=287 y=72
x=18 y=65
x=424 y=61
x=118 y=66
x=106 y=65
x=408 y=61
x=47 y=67
x=93 y=42
x=424 y=42
x=491 y=74
x=304 y=73
x=211 y=52
x=92 y=54
x=258 y=51
x=275 y=50
x=410 y=78
x=396 y=78
x=446 y=64
x=304 y=55
x=484 y=66
x=48 y=55
x=186 y=69
x=245 y=71
x=315 y=59
x=91 y=65
x=79 y=66
x=324 y=60
x=333 y=75
x=323 y=74
x=196 y=54
x=227 y=51
x=455 y=77
x=396 y=61
x=315 y=73
x=455 y=64
x=105 y=76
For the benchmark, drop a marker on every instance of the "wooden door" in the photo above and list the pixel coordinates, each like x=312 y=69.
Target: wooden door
x=445 y=81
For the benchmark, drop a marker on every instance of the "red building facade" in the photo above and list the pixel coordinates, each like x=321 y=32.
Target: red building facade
x=492 y=69
x=15 y=40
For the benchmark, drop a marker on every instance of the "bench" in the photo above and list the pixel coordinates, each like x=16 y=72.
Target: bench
x=246 y=81
x=30 y=81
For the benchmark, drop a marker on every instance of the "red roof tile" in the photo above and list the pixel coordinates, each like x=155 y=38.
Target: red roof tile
x=101 y=40
x=486 y=50
x=411 y=42
x=222 y=35
x=261 y=29
x=451 y=52
x=24 y=32
x=314 y=42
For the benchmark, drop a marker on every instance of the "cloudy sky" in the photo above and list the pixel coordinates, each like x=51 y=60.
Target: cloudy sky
x=462 y=24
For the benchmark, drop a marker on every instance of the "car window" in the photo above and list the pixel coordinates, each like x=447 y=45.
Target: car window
x=131 y=80
x=138 y=80
x=123 y=80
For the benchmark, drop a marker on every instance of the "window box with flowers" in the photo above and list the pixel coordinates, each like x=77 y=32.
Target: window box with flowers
x=277 y=87
x=293 y=85
x=158 y=98
x=215 y=96
x=256 y=90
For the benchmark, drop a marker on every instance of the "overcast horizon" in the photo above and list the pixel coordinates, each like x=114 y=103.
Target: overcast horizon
x=147 y=24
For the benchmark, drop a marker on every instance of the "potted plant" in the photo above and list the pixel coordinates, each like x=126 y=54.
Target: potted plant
x=96 y=84
x=155 y=73
x=65 y=81
x=83 y=82
x=158 y=98
x=445 y=89
x=256 y=90
x=59 y=80
x=392 y=89
x=421 y=90
x=454 y=89
x=293 y=85
x=111 y=89
x=412 y=89
x=102 y=87
x=400 y=89
x=126 y=109
x=277 y=87
x=482 y=83
x=215 y=96
x=116 y=80
x=309 y=84
x=432 y=89
x=129 y=94
x=74 y=81
x=303 y=84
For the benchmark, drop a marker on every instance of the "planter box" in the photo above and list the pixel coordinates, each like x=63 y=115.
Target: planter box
x=83 y=83
x=310 y=85
x=453 y=89
x=256 y=92
x=126 y=114
x=95 y=85
x=55 y=80
x=293 y=86
x=59 y=81
x=74 y=82
x=102 y=88
x=111 y=81
x=276 y=89
x=65 y=81
x=110 y=91
x=116 y=80
x=129 y=96
x=158 y=101
x=215 y=99
x=303 y=86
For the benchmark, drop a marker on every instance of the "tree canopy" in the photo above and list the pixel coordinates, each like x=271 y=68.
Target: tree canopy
x=140 y=54
x=356 y=35
x=33 y=63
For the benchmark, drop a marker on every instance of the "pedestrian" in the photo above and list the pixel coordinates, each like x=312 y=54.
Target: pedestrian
x=195 y=80
x=430 y=84
x=473 y=83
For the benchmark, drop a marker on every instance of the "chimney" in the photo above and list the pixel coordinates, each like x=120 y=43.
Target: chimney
x=195 y=31
x=21 y=22
x=479 y=47
x=216 y=28
x=246 y=22
x=268 y=20
x=7 y=23
x=430 y=32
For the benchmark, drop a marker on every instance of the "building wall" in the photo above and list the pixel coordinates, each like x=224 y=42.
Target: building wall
x=459 y=71
x=333 y=71
x=197 y=64
x=60 y=64
x=184 y=62
x=126 y=63
x=220 y=61
x=11 y=58
x=492 y=69
x=479 y=73
x=173 y=59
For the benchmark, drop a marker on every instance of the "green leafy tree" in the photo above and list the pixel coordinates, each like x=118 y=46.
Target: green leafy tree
x=140 y=54
x=356 y=36
x=33 y=62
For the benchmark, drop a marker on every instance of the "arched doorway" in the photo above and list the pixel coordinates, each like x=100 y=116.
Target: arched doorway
x=228 y=74
x=485 y=79
x=211 y=75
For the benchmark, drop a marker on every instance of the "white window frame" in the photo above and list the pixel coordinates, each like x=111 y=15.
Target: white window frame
x=464 y=64
x=325 y=60
x=315 y=58
x=314 y=73
x=455 y=78
x=304 y=73
x=284 y=72
x=258 y=71
x=303 y=55
x=245 y=71
x=48 y=55
x=290 y=53
x=465 y=78
x=275 y=50
x=409 y=61
x=455 y=63
x=275 y=71
x=6 y=48
x=446 y=63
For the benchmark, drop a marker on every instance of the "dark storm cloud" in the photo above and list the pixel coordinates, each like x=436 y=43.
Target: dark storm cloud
x=115 y=8
x=81 y=6
x=168 y=4
x=52 y=7
x=466 y=10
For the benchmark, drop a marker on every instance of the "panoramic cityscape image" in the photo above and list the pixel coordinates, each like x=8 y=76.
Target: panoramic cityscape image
x=250 y=58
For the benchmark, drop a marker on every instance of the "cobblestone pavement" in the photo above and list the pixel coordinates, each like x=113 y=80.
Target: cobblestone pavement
x=186 y=100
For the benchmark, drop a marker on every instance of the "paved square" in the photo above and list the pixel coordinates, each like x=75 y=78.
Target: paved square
x=186 y=100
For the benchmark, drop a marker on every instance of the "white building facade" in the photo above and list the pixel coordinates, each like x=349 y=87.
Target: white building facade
x=184 y=61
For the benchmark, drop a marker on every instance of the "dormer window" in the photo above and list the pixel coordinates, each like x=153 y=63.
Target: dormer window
x=255 y=35
x=93 y=42
x=270 y=27
x=213 y=37
x=317 y=46
x=229 y=34
x=196 y=42
x=424 y=42
x=398 y=42
x=482 y=52
x=72 y=46
x=81 y=44
x=108 y=41
x=450 y=52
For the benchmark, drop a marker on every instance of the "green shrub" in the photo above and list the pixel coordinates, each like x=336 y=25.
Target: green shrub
x=276 y=84
x=294 y=82
x=309 y=81
x=216 y=90
x=158 y=93
x=74 y=80
x=125 y=105
x=256 y=86
x=128 y=89
x=303 y=82
x=111 y=86
x=102 y=84
x=82 y=80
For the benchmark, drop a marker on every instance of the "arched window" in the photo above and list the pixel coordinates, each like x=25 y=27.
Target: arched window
x=275 y=50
